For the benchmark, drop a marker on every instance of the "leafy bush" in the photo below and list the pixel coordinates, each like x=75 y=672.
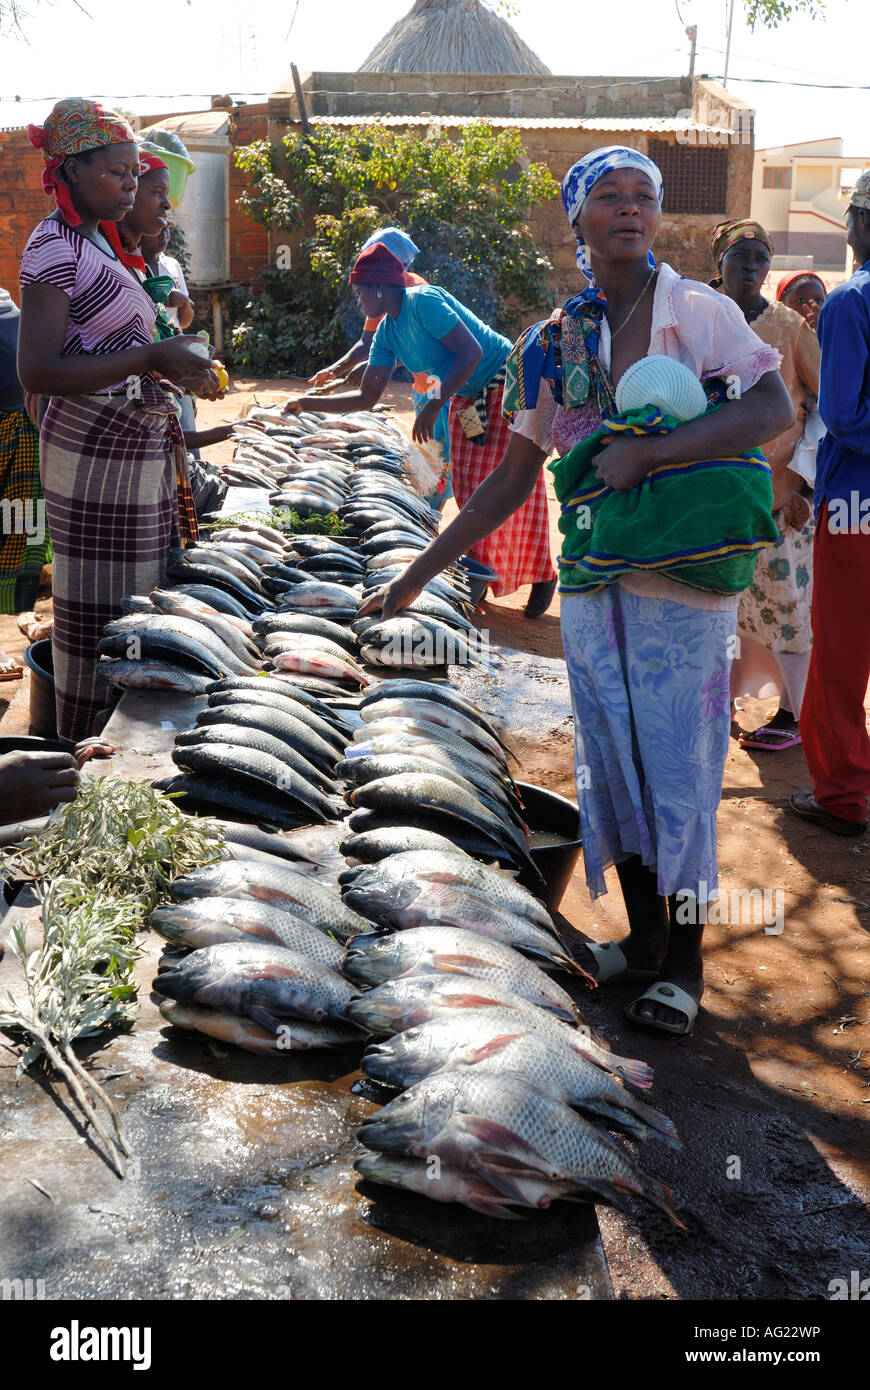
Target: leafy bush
x=463 y=200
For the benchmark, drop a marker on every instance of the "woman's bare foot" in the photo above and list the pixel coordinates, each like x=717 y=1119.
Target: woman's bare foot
x=32 y=784
x=10 y=669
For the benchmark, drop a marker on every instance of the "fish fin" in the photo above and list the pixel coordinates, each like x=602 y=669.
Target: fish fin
x=496 y=1206
x=509 y=1147
x=488 y=1167
x=456 y=964
x=492 y=1047
x=264 y=1018
x=573 y=968
x=637 y=1073
x=469 y=1001
x=661 y=1126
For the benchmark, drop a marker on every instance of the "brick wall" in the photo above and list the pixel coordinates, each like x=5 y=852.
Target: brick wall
x=22 y=202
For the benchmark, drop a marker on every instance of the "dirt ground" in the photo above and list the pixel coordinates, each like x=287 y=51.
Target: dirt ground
x=772 y=1092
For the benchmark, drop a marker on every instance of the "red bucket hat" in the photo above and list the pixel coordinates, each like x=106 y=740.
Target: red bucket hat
x=378 y=266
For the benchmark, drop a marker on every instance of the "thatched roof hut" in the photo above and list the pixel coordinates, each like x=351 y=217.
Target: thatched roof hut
x=452 y=36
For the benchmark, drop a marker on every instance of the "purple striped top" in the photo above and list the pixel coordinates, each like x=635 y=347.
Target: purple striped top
x=109 y=310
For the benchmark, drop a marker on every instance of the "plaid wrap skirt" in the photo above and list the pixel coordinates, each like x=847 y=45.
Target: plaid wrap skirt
x=113 y=473
x=24 y=540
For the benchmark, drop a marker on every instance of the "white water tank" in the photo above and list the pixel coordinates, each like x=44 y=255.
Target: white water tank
x=204 y=214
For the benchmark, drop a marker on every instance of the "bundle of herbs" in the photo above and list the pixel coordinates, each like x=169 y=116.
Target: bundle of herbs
x=102 y=864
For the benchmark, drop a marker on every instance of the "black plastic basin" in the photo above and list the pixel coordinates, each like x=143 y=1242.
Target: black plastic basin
x=43 y=716
x=548 y=814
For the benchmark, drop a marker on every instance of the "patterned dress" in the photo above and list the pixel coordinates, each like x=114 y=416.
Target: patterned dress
x=648 y=659
x=109 y=464
x=774 y=616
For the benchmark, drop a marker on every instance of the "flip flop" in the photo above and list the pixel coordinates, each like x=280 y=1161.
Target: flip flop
x=612 y=964
x=784 y=738
x=676 y=999
x=12 y=673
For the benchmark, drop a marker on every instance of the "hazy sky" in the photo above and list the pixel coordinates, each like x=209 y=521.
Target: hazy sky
x=209 y=46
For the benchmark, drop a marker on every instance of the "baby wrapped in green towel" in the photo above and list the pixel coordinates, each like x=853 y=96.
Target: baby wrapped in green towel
x=700 y=524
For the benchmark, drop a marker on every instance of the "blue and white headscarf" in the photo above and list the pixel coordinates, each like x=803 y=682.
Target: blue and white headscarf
x=582 y=176
x=395 y=240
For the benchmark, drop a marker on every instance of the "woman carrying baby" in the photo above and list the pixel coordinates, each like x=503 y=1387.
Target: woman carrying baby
x=648 y=658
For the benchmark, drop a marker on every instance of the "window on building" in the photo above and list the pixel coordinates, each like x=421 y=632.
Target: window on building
x=776 y=177
x=695 y=177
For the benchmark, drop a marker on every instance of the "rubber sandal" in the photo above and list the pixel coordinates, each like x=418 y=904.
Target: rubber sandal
x=784 y=738
x=14 y=673
x=675 y=998
x=612 y=964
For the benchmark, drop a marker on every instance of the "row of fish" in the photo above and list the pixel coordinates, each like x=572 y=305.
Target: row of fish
x=415 y=927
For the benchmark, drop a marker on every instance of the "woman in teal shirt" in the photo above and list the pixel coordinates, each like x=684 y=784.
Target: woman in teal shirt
x=429 y=331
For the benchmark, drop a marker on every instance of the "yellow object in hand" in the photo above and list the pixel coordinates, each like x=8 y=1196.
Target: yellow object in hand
x=223 y=375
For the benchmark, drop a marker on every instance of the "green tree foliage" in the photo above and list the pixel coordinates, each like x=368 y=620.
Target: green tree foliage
x=464 y=200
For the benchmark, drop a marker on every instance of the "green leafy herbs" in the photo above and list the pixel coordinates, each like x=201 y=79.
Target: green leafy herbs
x=104 y=861
x=120 y=837
x=78 y=982
x=286 y=520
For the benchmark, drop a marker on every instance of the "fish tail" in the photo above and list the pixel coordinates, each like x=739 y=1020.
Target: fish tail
x=640 y=1185
x=630 y=1069
x=655 y=1120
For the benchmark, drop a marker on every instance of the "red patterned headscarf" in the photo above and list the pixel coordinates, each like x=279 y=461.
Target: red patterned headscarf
x=72 y=127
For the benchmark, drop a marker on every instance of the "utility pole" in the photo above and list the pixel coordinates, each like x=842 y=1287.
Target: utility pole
x=728 y=43
x=692 y=32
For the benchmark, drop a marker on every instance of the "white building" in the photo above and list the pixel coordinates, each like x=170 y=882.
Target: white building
x=799 y=195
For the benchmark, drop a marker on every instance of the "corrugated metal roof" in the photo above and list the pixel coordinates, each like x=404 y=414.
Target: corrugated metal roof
x=650 y=124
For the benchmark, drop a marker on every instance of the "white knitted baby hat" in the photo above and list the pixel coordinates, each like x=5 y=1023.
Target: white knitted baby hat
x=664 y=383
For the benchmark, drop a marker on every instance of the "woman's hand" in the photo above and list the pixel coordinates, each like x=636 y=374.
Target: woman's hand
x=425 y=422
x=183 y=363
x=293 y=405
x=391 y=599
x=797 y=511
x=623 y=463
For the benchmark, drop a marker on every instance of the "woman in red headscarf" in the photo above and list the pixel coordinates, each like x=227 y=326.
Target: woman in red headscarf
x=112 y=454
x=804 y=292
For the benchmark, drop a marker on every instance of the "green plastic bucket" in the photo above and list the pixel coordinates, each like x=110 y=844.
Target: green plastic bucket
x=179 y=168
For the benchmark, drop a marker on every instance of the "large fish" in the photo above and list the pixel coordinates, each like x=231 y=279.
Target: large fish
x=295 y=1033
x=224 y=795
x=422 y=759
x=288 y=890
x=165 y=647
x=250 y=766
x=472 y=727
x=207 y=921
x=314 y=594
x=133 y=625
x=397 y=735
x=290 y=701
x=184 y=606
x=316 y=662
x=373 y=846
x=406 y=906
x=419 y=999
x=500 y=1125
x=186 y=572
x=444 y=1184
x=417 y=642
x=307 y=623
x=151 y=674
x=449 y=867
x=284 y=689
x=216 y=598
x=476 y=1039
x=373 y=958
x=265 y=982
x=430 y=792
x=463 y=836
x=245 y=737
x=277 y=722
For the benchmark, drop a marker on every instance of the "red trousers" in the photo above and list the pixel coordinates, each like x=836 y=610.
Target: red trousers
x=833 y=723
